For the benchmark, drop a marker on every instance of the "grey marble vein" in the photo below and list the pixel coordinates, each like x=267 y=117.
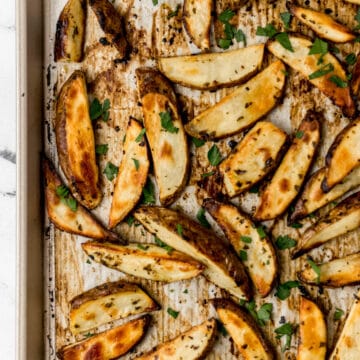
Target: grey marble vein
x=8 y=155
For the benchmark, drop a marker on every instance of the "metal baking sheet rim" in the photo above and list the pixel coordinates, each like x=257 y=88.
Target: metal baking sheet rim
x=29 y=257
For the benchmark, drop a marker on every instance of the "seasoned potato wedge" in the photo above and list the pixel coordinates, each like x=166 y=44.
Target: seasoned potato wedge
x=223 y=268
x=335 y=273
x=207 y=71
x=112 y=24
x=109 y=344
x=287 y=180
x=197 y=21
x=166 y=136
x=306 y=64
x=341 y=219
x=194 y=344
x=348 y=344
x=343 y=155
x=70 y=32
x=313 y=332
x=145 y=261
x=75 y=141
x=261 y=262
x=243 y=330
x=257 y=154
x=354 y=1
x=313 y=197
x=241 y=108
x=323 y=25
x=131 y=176
x=355 y=77
x=108 y=302
x=80 y=221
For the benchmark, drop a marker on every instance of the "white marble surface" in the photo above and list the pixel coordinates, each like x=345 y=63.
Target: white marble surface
x=7 y=178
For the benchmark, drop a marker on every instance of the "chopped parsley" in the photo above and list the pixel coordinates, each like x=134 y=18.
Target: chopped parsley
x=174 y=12
x=110 y=171
x=286 y=19
x=130 y=220
x=214 y=155
x=319 y=47
x=269 y=30
x=172 y=312
x=299 y=134
x=272 y=33
x=221 y=328
x=255 y=189
x=197 y=142
x=315 y=268
x=98 y=110
x=324 y=70
x=230 y=31
x=148 y=193
x=226 y=15
x=285 y=242
x=136 y=163
x=243 y=255
x=260 y=316
x=202 y=218
x=286 y=330
x=350 y=59
x=64 y=194
x=167 y=123
x=101 y=149
x=246 y=239
x=160 y=243
x=179 y=229
x=155 y=2
x=140 y=137
x=283 y=39
x=338 y=81
x=283 y=290
x=296 y=225
x=142 y=247
x=205 y=175
x=261 y=232
x=338 y=314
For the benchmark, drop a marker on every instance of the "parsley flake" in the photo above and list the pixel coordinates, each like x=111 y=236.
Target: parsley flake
x=338 y=81
x=319 y=47
x=246 y=239
x=174 y=12
x=285 y=242
x=226 y=15
x=286 y=330
x=261 y=232
x=142 y=247
x=101 y=149
x=299 y=134
x=243 y=255
x=64 y=194
x=214 y=155
x=172 y=312
x=110 y=171
x=350 y=59
x=202 y=218
x=283 y=39
x=136 y=163
x=269 y=30
x=197 y=142
x=130 y=220
x=324 y=70
x=160 y=243
x=286 y=19
x=140 y=137
x=338 y=314
x=179 y=229
x=205 y=175
x=155 y=2
x=148 y=193
x=283 y=290
x=315 y=268
x=167 y=123
x=98 y=110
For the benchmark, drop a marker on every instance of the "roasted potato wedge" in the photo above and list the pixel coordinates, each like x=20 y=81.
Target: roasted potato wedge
x=70 y=32
x=341 y=219
x=335 y=273
x=313 y=332
x=112 y=23
x=109 y=344
x=207 y=71
x=313 y=197
x=307 y=65
x=147 y=261
x=355 y=77
x=354 y=1
x=131 y=176
x=80 y=221
x=108 y=302
x=194 y=344
x=243 y=330
x=343 y=155
x=287 y=180
x=323 y=25
x=261 y=263
x=223 y=268
x=257 y=154
x=240 y=109
x=166 y=136
x=75 y=141
x=197 y=21
x=348 y=344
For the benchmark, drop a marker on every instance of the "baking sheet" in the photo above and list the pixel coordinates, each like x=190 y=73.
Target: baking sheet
x=68 y=269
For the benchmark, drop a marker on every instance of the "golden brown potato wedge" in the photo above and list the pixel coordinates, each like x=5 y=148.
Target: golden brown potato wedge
x=340 y=220
x=323 y=25
x=313 y=197
x=70 y=217
x=70 y=32
x=355 y=77
x=112 y=24
x=147 y=261
x=193 y=344
x=307 y=65
x=289 y=176
x=207 y=71
x=335 y=273
x=348 y=344
x=108 y=302
x=261 y=263
x=257 y=154
x=243 y=330
x=354 y=1
x=223 y=267
x=343 y=155
x=75 y=141
x=165 y=133
x=109 y=344
x=131 y=176
x=197 y=21
x=240 y=109
x=313 y=332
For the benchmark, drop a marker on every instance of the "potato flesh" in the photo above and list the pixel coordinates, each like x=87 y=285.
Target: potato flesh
x=191 y=345
x=169 y=150
x=261 y=261
x=336 y=273
x=146 y=261
x=252 y=158
x=131 y=176
x=104 y=309
x=207 y=71
x=312 y=332
x=324 y=25
x=241 y=108
x=197 y=20
x=306 y=64
x=348 y=344
x=287 y=180
x=313 y=197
